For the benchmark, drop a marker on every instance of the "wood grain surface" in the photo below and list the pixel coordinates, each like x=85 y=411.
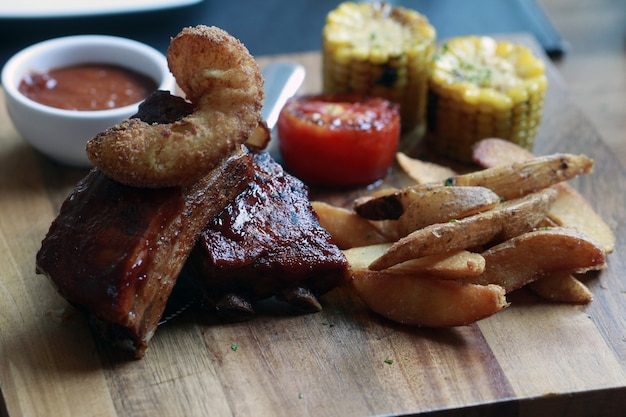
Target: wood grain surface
x=534 y=358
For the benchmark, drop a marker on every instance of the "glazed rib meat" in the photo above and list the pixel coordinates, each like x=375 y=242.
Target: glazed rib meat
x=267 y=242
x=117 y=251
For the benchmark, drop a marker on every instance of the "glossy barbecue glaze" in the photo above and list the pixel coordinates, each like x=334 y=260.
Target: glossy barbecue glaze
x=117 y=251
x=267 y=242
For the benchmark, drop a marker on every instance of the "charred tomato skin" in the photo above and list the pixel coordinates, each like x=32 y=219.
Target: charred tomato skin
x=338 y=140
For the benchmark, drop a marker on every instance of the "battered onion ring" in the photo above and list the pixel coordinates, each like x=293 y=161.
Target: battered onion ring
x=223 y=81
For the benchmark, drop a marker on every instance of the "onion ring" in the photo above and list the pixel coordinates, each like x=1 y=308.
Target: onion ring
x=223 y=82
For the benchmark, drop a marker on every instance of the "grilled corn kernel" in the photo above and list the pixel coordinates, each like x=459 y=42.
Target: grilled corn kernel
x=481 y=88
x=380 y=50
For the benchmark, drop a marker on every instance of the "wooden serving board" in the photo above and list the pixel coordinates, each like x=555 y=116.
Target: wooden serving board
x=535 y=358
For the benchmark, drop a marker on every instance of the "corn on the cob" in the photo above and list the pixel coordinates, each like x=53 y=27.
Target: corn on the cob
x=380 y=50
x=482 y=88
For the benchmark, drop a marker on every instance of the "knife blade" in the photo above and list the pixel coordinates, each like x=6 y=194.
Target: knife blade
x=283 y=79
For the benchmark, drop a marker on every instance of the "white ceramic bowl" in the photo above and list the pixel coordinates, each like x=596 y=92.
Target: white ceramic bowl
x=62 y=134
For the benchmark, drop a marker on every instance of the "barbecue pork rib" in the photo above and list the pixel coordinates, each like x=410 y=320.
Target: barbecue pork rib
x=266 y=242
x=116 y=251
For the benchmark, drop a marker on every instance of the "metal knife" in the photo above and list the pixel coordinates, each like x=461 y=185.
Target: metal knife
x=283 y=79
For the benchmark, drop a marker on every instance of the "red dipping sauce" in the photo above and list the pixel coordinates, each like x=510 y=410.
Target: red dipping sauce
x=87 y=87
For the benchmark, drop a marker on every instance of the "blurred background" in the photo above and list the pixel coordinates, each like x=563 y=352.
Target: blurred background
x=268 y=27
x=586 y=39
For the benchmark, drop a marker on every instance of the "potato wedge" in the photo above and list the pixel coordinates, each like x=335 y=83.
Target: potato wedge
x=493 y=152
x=383 y=191
x=449 y=265
x=431 y=302
x=361 y=257
x=347 y=228
x=388 y=228
x=511 y=218
x=443 y=204
x=422 y=205
x=380 y=193
x=423 y=172
x=527 y=257
x=521 y=178
x=562 y=287
x=570 y=209
x=382 y=206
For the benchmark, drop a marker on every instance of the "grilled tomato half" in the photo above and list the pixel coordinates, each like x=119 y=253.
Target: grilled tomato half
x=339 y=140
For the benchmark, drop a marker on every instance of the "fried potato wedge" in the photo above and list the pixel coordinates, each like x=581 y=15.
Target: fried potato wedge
x=570 y=209
x=383 y=191
x=431 y=302
x=493 y=152
x=422 y=205
x=360 y=257
x=388 y=228
x=347 y=228
x=562 y=287
x=442 y=204
x=449 y=265
x=521 y=178
x=509 y=219
x=423 y=172
x=530 y=256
